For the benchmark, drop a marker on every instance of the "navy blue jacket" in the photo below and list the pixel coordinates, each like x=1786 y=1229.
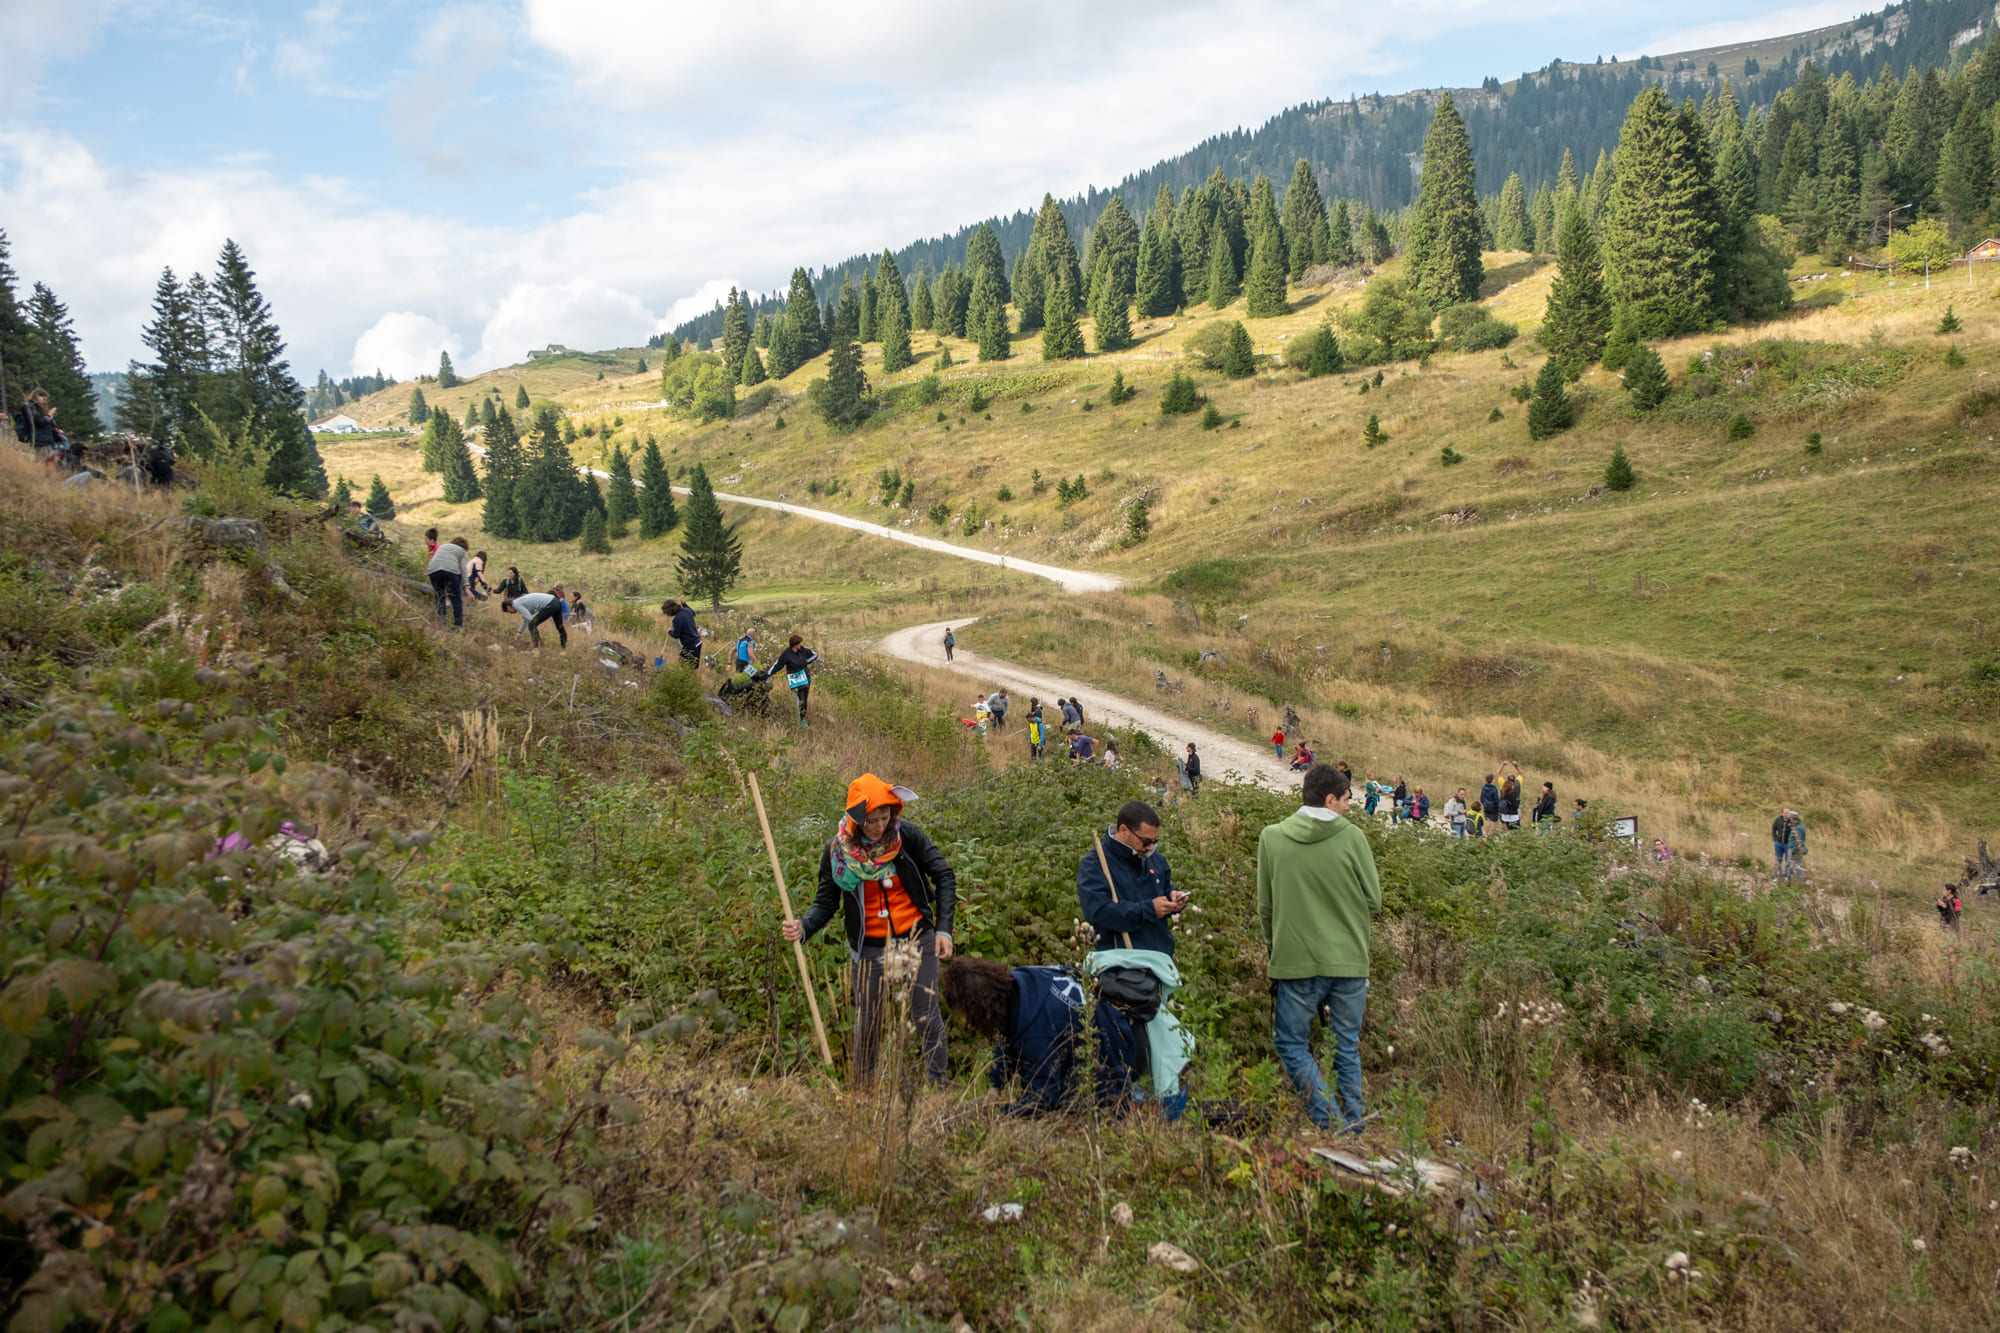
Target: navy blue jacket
x=1140 y=879
x=1044 y=1022
x=683 y=631
x=1489 y=800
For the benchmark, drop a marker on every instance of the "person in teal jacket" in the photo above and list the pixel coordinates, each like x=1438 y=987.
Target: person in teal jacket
x=1316 y=891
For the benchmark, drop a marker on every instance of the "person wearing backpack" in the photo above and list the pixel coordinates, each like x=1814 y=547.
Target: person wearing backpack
x=511 y=587
x=1317 y=889
x=746 y=653
x=35 y=425
x=1038 y=730
x=1795 y=846
x=950 y=643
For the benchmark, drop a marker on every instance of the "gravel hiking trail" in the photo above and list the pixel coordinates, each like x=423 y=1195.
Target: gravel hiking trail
x=1223 y=758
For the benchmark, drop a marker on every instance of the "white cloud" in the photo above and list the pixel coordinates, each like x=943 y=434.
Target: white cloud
x=578 y=313
x=33 y=32
x=697 y=302
x=403 y=344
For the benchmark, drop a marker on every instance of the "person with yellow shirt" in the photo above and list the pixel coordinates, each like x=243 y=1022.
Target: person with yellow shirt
x=888 y=881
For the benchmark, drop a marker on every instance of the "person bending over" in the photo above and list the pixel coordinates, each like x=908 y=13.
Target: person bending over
x=1034 y=1016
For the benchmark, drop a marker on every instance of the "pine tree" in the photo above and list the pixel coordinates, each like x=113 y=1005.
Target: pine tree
x=1051 y=257
x=1618 y=473
x=521 y=393
x=420 y=410
x=19 y=350
x=1660 y=237
x=61 y=368
x=784 y=358
x=658 y=515
x=866 y=325
x=1566 y=183
x=1062 y=338
x=839 y=396
x=1222 y=285
x=735 y=331
x=621 y=499
x=1951 y=322
x=1264 y=293
x=1179 y=397
x=1578 y=317
x=1549 y=410
x=752 y=370
x=1513 y=229
x=951 y=297
x=670 y=352
x=1114 y=247
x=447 y=377
x=1304 y=221
x=1965 y=169
x=254 y=384
x=994 y=342
x=1543 y=211
x=760 y=333
x=504 y=468
x=846 y=315
x=461 y=483
x=1239 y=360
x=378 y=504
x=1317 y=353
x=1372 y=433
x=471 y=415
x=982 y=254
x=1153 y=293
x=167 y=400
x=922 y=312
x=596 y=540
x=342 y=496
x=892 y=316
x=1442 y=263
x=1645 y=378
x=1138 y=522
x=711 y=553
x=550 y=499
x=488 y=413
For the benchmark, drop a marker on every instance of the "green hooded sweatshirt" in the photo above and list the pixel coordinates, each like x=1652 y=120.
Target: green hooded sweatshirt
x=1316 y=889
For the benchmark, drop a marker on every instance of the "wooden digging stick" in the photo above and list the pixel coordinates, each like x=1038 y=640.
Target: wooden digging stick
x=1109 y=883
x=798 y=946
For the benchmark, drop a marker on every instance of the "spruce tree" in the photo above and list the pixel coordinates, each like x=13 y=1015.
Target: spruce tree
x=504 y=467
x=461 y=483
x=1965 y=169
x=471 y=415
x=950 y=303
x=61 y=367
x=1239 y=360
x=784 y=358
x=802 y=314
x=994 y=342
x=847 y=315
x=420 y=410
x=342 y=496
x=658 y=515
x=895 y=332
x=1264 y=293
x=521 y=393
x=596 y=540
x=1513 y=229
x=378 y=504
x=760 y=333
x=1578 y=317
x=839 y=396
x=488 y=413
x=982 y=254
x=1222 y=286
x=1053 y=254
x=1442 y=263
x=1179 y=397
x=1549 y=409
x=735 y=331
x=1660 y=236
x=550 y=499
x=1340 y=237
x=257 y=387
x=1304 y=221
x=1645 y=378
x=711 y=553
x=866 y=325
x=1062 y=338
x=1618 y=473
x=752 y=370
x=447 y=377
x=1114 y=248
x=1543 y=211
x=19 y=352
x=621 y=497
x=922 y=312
x=1153 y=292
x=1318 y=353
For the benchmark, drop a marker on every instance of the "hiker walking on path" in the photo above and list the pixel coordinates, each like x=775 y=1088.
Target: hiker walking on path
x=797 y=663
x=1544 y=813
x=537 y=608
x=1781 y=843
x=1795 y=846
x=1316 y=890
x=683 y=631
x=889 y=882
x=446 y=571
x=1035 y=1017
x=950 y=643
x=1145 y=898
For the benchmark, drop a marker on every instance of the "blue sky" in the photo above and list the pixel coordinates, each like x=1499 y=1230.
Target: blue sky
x=486 y=177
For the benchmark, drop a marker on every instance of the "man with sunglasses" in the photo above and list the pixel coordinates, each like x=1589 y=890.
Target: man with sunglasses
x=1146 y=900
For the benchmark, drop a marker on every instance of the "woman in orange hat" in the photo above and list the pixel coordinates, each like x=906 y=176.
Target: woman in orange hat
x=889 y=882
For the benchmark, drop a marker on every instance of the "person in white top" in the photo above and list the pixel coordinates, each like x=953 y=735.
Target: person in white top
x=447 y=571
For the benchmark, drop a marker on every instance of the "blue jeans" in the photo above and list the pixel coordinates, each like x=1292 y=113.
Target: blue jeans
x=1780 y=856
x=1294 y=1002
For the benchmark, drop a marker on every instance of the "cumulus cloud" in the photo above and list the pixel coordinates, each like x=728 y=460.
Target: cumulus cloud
x=403 y=344
x=577 y=313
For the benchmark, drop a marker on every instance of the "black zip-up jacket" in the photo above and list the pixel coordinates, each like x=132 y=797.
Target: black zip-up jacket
x=1546 y=807
x=1510 y=799
x=800 y=658
x=926 y=876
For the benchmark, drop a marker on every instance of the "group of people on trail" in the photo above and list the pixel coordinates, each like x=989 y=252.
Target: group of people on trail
x=1788 y=845
x=895 y=893
x=1495 y=809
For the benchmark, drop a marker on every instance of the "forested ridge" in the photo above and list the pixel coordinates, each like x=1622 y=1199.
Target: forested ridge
x=1368 y=150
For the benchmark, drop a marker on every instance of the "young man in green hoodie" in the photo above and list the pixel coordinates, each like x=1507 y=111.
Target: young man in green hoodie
x=1316 y=890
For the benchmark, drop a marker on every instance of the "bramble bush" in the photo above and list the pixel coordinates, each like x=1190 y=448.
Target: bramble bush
x=243 y=1092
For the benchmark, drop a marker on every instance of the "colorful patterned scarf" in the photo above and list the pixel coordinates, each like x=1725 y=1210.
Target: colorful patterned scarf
x=855 y=859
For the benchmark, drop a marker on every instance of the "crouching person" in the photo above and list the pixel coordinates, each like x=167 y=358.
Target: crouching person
x=1034 y=1016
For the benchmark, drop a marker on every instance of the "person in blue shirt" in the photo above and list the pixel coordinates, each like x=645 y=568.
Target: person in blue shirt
x=746 y=652
x=1138 y=917
x=1035 y=1017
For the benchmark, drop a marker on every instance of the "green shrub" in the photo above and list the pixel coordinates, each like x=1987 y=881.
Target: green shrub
x=1210 y=418
x=1208 y=347
x=676 y=692
x=977 y=403
x=1372 y=434
x=1120 y=392
x=1950 y=323
x=1495 y=415
x=1740 y=427
x=1471 y=327
x=1812 y=443
x=1954 y=358
x=929 y=389
x=939 y=514
x=1618 y=473
x=1449 y=456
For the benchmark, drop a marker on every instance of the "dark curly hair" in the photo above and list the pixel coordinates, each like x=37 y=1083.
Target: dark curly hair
x=978 y=990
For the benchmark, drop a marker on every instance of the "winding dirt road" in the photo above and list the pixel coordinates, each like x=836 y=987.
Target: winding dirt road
x=1223 y=757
